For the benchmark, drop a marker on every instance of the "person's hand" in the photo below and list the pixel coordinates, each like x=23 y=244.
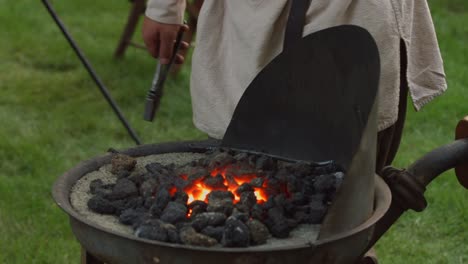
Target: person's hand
x=160 y=38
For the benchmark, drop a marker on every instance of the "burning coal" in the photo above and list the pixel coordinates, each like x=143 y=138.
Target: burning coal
x=230 y=198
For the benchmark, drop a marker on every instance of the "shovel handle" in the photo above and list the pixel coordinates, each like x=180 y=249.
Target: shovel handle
x=462 y=170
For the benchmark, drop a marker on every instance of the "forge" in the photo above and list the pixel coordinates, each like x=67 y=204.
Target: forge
x=218 y=198
x=295 y=171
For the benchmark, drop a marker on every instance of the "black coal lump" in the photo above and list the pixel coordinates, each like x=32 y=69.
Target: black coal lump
x=318 y=197
x=145 y=218
x=308 y=185
x=137 y=178
x=198 y=174
x=220 y=201
x=100 y=205
x=119 y=206
x=162 y=198
x=155 y=210
x=220 y=195
x=265 y=163
x=239 y=215
x=198 y=203
x=270 y=203
x=257 y=182
x=203 y=162
x=172 y=233
x=180 y=183
x=180 y=197
x=273 y=187
x=289 y=208
x=324 y=183
x=131 y=216
x=258 y=232
x=148 y=202
x=293 y=184
x=317 y=212
x=302 y=216
x=241 y=156
x=282 y=175
x=123 y=188
x=220 y=160
x=215 y=182
x=155 y=168
x=298 y=198
x=203 y=220
x=197 y=207
x=258 y=212
x=174 y=213
x=241 y=208
x=134 y=202
x=148 y=187
x=215 y=232
x=248 y=199
x=123 y=174
x=95 y=185
x=302 y=169
x=280 y=200
x=236 y=234
x=245 y=187
x=152 y=231
x=339 y=177
x=326 y=169
x=189 y=236
x=292 y=223
x=252 y=160
x=277 y=223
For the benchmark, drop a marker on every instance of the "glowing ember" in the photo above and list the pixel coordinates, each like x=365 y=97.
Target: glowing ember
x=251 y=197
x=199 y=190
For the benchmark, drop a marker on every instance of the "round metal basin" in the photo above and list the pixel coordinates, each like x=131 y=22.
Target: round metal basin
x=113 y=247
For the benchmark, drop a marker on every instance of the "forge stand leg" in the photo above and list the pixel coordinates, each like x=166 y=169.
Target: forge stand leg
x=369 y=258
x=87 y=258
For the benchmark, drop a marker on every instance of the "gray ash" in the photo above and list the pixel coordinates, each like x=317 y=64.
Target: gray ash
x=232 y=199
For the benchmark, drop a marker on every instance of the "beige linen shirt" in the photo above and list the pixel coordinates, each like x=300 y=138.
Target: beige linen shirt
x=236 y=39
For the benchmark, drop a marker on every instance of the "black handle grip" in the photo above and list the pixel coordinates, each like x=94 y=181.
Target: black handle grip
x=154 y=96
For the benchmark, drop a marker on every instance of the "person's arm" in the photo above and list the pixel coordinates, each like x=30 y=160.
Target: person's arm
x=163 y=20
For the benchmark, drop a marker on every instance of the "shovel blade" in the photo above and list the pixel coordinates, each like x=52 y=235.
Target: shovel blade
x=311 y=102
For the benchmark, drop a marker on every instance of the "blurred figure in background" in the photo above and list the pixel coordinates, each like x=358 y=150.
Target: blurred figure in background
x=236 y=39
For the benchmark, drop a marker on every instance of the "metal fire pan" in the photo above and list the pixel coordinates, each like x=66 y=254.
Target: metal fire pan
x=113 y=247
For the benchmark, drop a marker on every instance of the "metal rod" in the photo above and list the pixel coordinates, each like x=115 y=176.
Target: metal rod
x=153 y=99
x=92 y=73
x=408 y=186
x=440 y=160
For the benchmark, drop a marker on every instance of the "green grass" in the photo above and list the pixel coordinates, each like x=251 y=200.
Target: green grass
x=52 y=117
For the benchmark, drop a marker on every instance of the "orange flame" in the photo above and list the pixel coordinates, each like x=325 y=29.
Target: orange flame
x=199 y=191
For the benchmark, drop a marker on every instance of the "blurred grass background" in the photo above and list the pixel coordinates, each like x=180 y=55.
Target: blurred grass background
x=52 y=117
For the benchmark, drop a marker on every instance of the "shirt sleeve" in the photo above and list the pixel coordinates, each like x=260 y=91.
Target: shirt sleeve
x=166 y=11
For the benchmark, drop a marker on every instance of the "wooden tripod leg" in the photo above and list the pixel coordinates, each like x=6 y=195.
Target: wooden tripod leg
x=138 y=8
